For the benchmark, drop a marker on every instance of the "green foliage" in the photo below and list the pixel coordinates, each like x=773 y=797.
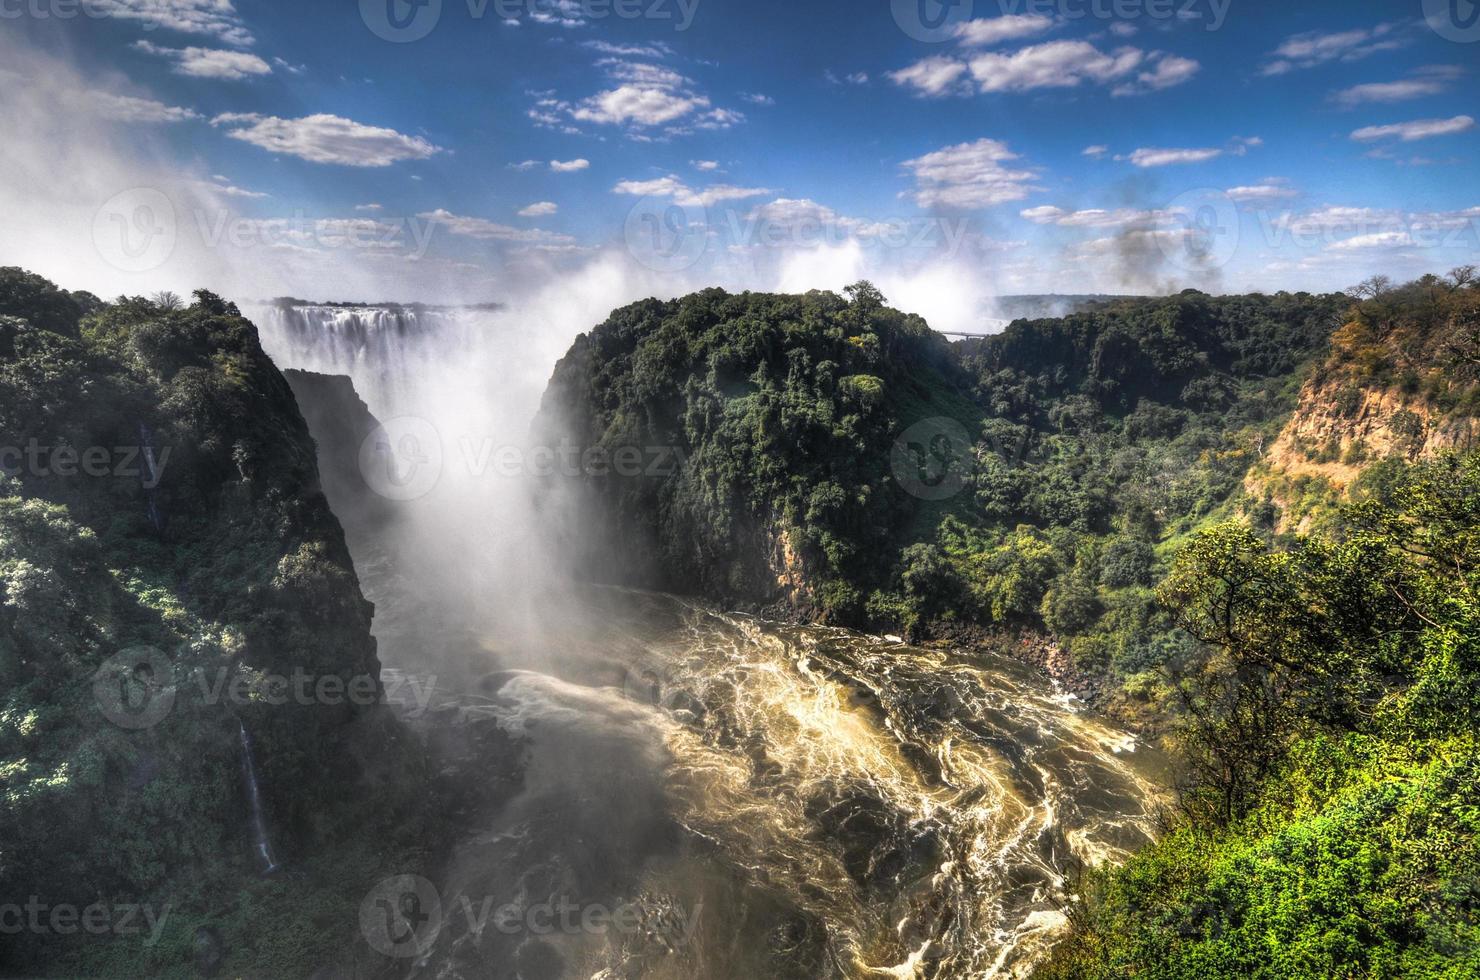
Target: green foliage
x=224 y=557
x=1332 y=825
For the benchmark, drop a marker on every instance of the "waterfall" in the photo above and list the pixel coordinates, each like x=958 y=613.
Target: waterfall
x=262 y=845
x=146 y=442
x=389 y=352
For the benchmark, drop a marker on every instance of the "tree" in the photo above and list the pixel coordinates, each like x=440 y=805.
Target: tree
x=167 y=301
x=865 y=295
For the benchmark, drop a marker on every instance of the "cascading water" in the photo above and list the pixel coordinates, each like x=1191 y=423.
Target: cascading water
x=146 y=441
x=262 y=844
x=764 y=800
x=389 y=352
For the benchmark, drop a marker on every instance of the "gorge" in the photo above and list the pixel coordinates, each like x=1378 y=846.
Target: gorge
x=875 y=679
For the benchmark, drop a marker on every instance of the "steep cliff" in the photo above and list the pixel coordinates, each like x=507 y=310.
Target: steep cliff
x=1401 y=382
x=176 y=594
x=740 y=446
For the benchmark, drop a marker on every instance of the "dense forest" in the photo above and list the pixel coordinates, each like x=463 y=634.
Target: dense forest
x=1130 y=496
x=161 y=523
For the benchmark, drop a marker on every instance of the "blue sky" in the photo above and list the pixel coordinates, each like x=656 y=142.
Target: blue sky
x=1071 y=146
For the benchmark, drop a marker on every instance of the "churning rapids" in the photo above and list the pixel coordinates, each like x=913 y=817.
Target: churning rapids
x=685 y=793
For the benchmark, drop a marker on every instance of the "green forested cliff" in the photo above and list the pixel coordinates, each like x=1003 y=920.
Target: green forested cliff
x=166 y=557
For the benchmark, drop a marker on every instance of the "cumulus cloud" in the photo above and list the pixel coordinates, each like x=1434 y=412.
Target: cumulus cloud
x=1417 y=129
x=933 y=76
x=1054 y=64
x=969 y=176
x=986 y=31
x=1317 y=48
x=325 y=138
x=539 y=209
x=211 y=18
x=1096 y=151
x=644 y=97
x=209 y=62
x=569 y=166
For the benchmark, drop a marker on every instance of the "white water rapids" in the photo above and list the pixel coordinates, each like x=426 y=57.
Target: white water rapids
x=737 y=798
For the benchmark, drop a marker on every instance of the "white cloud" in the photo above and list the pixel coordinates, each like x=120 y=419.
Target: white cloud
x=661 y=187
x=1269 y=189
x=1169 y=70
x=638 y=106
x=756 y=98
x=656 y=49
x=1417 y=129
x=130 y=108
x=213 y=18
x=368 y=207
x=1096 y=151
x=1378 y=239
x=209 y=62
x=969 y=176
x=484 y=230
x=1055 y=64
x=986 y=31
x=1315 y=48
x=1153 y=157
x=686 y=196
x=647 y=96
x=705 y=165
x=539 y=209
x=933 y=76
x=324 y=138
x=1090 y=218
x=569 y=166
x=226 y=187
x=1428 y=81
x=527 y=165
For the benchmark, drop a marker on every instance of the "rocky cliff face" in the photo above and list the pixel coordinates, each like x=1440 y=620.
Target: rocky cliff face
x=1400 y=383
